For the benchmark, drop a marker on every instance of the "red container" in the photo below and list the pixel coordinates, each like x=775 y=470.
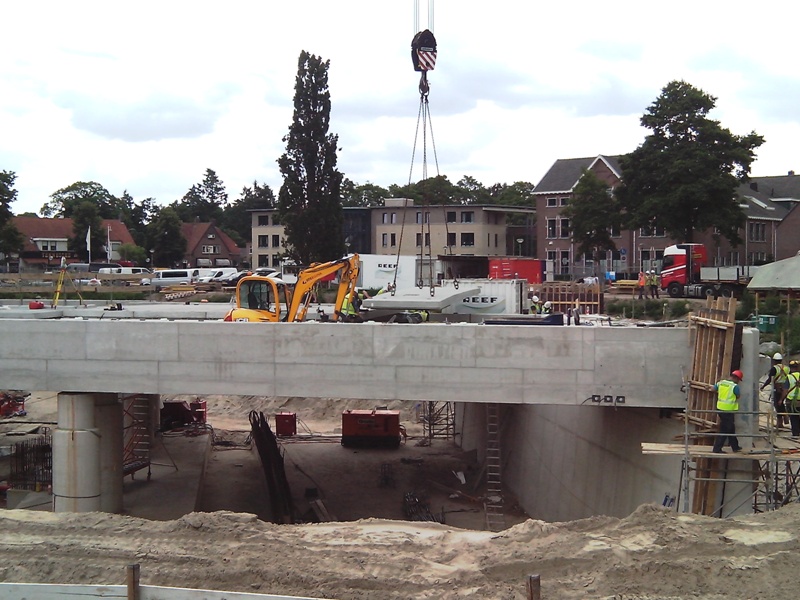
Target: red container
x=286 y=424
x=371 y=428
x=35 y=305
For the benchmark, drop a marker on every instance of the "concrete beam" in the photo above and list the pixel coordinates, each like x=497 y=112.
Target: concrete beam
x=513 y=364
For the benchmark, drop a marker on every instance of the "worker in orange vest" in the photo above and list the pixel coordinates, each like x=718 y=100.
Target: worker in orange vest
x=642 y=283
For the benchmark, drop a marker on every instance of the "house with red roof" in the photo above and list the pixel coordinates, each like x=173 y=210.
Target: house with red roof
x=46 y=240
x=209 y=246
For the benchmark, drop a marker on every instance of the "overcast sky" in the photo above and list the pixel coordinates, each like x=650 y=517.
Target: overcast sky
x=146 y=96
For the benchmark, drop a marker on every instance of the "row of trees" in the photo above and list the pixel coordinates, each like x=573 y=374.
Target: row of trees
x=683 y=176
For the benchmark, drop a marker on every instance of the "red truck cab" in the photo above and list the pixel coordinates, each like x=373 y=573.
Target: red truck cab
x=681 y=267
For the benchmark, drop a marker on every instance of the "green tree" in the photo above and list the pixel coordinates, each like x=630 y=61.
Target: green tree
x=136 y=216
x=471 y=191
x=165 y=238
x=65 y=201
x=204 y=202
x=684 y=176
x=365 y=195
x=434 y=191
x=85 y=215
x=11 y=240
x=519 y=193
x=309 y=201
x=237 y=221
x=594 y=214
x=133 y=253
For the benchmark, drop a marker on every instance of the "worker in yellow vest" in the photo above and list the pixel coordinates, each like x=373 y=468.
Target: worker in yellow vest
x=777 y=375
x=792 y=397
x=728 y=394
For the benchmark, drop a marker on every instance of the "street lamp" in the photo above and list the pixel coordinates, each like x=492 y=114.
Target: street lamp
x=519 y=242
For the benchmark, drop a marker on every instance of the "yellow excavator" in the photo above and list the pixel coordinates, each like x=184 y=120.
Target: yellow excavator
x=268 y=299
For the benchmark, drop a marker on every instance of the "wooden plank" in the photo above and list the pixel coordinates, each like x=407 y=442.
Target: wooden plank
x=54 y=591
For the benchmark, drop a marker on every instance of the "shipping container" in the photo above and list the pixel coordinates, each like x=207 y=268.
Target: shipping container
x=371 y=428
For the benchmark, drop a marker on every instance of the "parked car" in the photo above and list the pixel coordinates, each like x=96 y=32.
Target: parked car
x=233 y=279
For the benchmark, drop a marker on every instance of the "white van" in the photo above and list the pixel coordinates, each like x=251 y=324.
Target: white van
x=206 y=274
x=124 y=271
x=168 y=277
x=219 y=273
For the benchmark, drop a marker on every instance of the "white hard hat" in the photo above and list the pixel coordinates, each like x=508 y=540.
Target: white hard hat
x=777 y=356
x=535 y=298
x=547 y=304
x=647 y=272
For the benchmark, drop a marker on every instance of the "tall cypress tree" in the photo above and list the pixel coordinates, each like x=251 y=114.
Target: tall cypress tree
x=309 y=201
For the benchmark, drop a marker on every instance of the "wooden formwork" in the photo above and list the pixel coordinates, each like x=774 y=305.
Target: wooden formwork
x=714 y=330
x=586 y=297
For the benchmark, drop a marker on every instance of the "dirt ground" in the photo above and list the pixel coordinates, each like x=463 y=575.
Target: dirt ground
x=351 y=483
x=652 y=554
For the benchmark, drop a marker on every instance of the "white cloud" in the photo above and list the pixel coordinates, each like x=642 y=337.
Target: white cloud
x=145 y=97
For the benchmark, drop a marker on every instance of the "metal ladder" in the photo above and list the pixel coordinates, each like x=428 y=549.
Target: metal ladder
x=493 y=503
x=136 y=437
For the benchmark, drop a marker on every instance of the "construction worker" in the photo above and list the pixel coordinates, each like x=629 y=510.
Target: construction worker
x=777 y=375
x=536 y=306
x=652 y=283
x=792 y=397
x=728 y=394
x=349 y=312
x=547 y=307
x=642 y=284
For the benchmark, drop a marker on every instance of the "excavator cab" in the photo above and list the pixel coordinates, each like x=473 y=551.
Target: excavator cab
x=258 y=299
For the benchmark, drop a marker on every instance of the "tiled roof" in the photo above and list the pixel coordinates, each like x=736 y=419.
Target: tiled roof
x=759 y=206
x=566 y=172
x=781 y=186
x=195 y=233
x=36 y=227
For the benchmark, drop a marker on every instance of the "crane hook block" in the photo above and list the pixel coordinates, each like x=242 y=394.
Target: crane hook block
x=423 y=51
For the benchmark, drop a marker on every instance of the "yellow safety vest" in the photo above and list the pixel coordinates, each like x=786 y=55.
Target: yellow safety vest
x=726 y=398
x=347 y=307
x=781 y=373
x=793 y=380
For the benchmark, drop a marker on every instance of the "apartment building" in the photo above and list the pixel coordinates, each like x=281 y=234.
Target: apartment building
x=405 y=227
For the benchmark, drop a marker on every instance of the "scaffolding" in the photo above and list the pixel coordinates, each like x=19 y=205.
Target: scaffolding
x=765 y=474
x=439 y=420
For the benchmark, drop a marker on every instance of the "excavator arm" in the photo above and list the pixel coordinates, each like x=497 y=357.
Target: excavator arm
x=347 y=270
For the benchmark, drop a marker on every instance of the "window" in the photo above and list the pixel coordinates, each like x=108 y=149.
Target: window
x=263 y=260
x=427 y=217
x=551 y=255
x=468 y=216
x=394 y=218
x=552 y=202
x=757 y=232
x=428 y=239
x=262 y=221
x=615 y=232
x=495 y=240
x=564 y=201
x=276 y=261
x=551 y=228
x=263 y=241
x=564 y=228
x=394 y=240
x=384 y=240
x=419 y=218
x=276 y=241
x=565 y=262
x=385 y=218
x=210 y=249
x=467 y=239
x=451 y=239
x=653 y=230
x=419 y=240
x=451 y=216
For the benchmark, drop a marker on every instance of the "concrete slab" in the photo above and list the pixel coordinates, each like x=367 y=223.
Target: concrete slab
x=420 y=299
